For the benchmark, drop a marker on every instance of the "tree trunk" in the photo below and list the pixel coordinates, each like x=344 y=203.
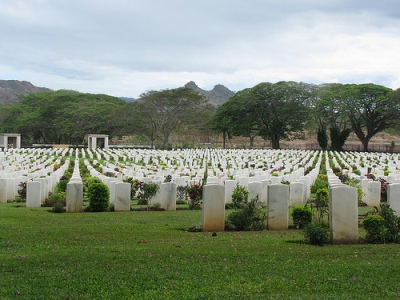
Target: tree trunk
x=252 y=141
x=365 y=143
x=165 y=140
x=223 y=139
x=275 y=142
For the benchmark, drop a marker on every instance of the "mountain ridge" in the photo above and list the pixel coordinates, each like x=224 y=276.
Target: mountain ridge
x=10 y=89
x=218 y=95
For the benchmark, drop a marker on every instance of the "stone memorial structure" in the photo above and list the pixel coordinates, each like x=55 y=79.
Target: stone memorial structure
x=10 y=140
x=93 y=141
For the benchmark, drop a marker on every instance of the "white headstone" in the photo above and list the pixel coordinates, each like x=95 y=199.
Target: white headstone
x=33 y=194
x=122 y=196
x=278 y=207
x=343 y=212
x=213 y=207
x=297 y=193
x=393 y=197
x=74 y=196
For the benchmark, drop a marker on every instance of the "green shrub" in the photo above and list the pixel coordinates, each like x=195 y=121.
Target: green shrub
x=149 y=191
x=374 y=225
x=320 y=204
x=22 y=189
x=316 y=233
x=62 y=185
x=55 y=198
x=19 y=199
x=301 y=215
x=392 y=224
x=320 y=183
x=240 y=195
x=386 y=217
x=251 y=215
x=58 y=208
x=98 y=195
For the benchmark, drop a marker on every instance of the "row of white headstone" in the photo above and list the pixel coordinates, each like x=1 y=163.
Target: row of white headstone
x=247 y=168
x=277 y=196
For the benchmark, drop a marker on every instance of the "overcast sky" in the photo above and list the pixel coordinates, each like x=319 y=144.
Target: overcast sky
x=127 y=47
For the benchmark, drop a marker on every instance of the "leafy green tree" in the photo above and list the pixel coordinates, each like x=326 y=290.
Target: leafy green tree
x=279 y=109
x=222 y=123
x=173 y=108
x=372 y=109
x=328 y=112
x=137 y=118
x=62 y=116
x=9 y=117
x=322 y=138
x=242 y=122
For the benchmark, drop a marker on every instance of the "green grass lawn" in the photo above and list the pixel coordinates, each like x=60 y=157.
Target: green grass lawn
x=149 y=255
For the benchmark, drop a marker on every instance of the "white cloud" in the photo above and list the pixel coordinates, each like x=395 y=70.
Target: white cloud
x=125 y=48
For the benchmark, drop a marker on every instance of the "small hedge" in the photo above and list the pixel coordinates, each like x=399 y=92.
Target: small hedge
x=98 y=195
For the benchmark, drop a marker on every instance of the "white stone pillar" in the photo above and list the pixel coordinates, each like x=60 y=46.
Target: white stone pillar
x=18 y=141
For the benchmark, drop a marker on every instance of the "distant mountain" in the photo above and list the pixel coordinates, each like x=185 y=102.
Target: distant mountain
x=127 y=99
x=218 y=95
x=10 y=89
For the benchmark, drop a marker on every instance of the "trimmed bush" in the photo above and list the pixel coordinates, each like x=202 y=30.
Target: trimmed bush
x=58 y=208
x=251 y=215
x=316 y=233
x=301 y=215
x=98 y=195
x=374 y=225
x=55 y=198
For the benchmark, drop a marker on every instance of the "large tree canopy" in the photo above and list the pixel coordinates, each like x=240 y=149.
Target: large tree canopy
x=60 y=116
x=173 y=108
x=372 y=109
x=234 y=118
x=328 y=112
x=273 y=110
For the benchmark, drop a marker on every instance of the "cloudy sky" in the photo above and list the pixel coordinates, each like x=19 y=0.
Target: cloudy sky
x=127 y=47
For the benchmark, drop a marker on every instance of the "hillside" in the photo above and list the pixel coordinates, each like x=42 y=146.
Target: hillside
x=10 y=89
x=218 y=95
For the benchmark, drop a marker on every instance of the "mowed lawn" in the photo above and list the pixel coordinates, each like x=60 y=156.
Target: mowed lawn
x=149 y=255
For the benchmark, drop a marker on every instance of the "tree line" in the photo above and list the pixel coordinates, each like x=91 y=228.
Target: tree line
x=284 y=109
x=273 y=111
